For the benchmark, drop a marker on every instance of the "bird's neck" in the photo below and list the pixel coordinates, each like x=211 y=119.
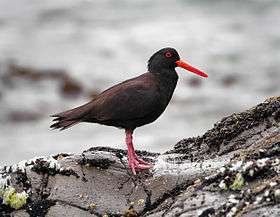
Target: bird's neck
x=167 y=80
x=167 y=77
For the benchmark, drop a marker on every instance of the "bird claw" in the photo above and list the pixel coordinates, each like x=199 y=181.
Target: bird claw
x=134 y=162
x=138 y=165
x=140 y=161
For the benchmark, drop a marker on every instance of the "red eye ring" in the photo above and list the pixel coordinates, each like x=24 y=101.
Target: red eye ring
x=168 y=54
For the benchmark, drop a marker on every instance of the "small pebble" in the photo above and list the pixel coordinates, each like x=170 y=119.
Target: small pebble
x=266 y=193
x=140 y=201
x=92 y=206
x=277 y=194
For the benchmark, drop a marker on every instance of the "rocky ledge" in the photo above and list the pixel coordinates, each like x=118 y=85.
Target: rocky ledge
x=232 y=170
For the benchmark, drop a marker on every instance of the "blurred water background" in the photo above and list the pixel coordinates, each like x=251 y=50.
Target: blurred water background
x=97 y=43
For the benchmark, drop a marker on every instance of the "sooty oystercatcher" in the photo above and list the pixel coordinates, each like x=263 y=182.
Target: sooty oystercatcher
x=132 y=103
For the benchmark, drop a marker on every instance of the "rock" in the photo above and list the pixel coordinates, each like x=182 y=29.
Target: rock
x=233 y=132
x=193 y=82
x=229 y=80
x=68 y=86
x=20 y=213
x=15 y=71
x=67 y=210
x=23 y=116
x=231 y=170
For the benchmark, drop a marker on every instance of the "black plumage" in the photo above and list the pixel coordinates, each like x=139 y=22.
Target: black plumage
x=132 y=103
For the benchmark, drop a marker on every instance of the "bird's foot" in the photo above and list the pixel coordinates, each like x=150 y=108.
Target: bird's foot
x=141 y=161
x=136 y=165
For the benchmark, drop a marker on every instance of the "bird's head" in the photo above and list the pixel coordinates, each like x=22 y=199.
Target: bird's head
x=168 y=58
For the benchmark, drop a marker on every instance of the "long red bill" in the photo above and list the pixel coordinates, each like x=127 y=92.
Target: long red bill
x=188 y=67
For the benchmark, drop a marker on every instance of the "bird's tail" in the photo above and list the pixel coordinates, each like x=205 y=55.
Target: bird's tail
x=63 y=124
x=67 y=119
x=71 y=117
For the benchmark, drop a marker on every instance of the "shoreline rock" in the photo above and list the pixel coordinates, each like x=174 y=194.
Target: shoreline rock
x=231 y=170
x=68 y=86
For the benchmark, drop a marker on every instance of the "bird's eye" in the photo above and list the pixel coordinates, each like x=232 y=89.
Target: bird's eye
x=168 y=54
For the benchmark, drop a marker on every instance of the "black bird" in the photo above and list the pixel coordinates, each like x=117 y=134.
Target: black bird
x=132 y=103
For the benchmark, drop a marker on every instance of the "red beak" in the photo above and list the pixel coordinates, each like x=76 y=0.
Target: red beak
x=188 y=67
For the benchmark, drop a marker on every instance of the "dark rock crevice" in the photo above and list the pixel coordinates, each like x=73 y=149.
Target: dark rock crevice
x=39 y=208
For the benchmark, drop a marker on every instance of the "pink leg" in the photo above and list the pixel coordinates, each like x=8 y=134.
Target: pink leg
x=134 y=162
x=141 y=161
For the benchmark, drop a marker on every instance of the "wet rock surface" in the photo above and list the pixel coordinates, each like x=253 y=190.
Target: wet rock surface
x=232 y=170
x=234 y=132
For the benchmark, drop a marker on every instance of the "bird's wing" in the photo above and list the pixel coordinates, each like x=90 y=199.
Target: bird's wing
x=132 y=99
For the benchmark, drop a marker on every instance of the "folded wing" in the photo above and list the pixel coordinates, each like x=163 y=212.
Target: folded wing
x=122 y=105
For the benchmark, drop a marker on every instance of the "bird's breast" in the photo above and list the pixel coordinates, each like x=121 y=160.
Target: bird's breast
x=166 y=89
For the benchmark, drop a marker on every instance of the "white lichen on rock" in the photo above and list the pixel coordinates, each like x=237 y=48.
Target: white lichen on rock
x=277 y=194
x=223 y=185
x=8 y=193
x=3 y=184
x=262 y=162
x=51 y=162
x=19 y=167
x=232 y=212
x=247 y=165
x=236 y=166
x=165 y=165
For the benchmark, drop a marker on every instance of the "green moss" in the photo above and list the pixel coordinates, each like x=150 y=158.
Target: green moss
x=238 y=182
x=19 y=200
x=14 y=199
x=8 y=195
